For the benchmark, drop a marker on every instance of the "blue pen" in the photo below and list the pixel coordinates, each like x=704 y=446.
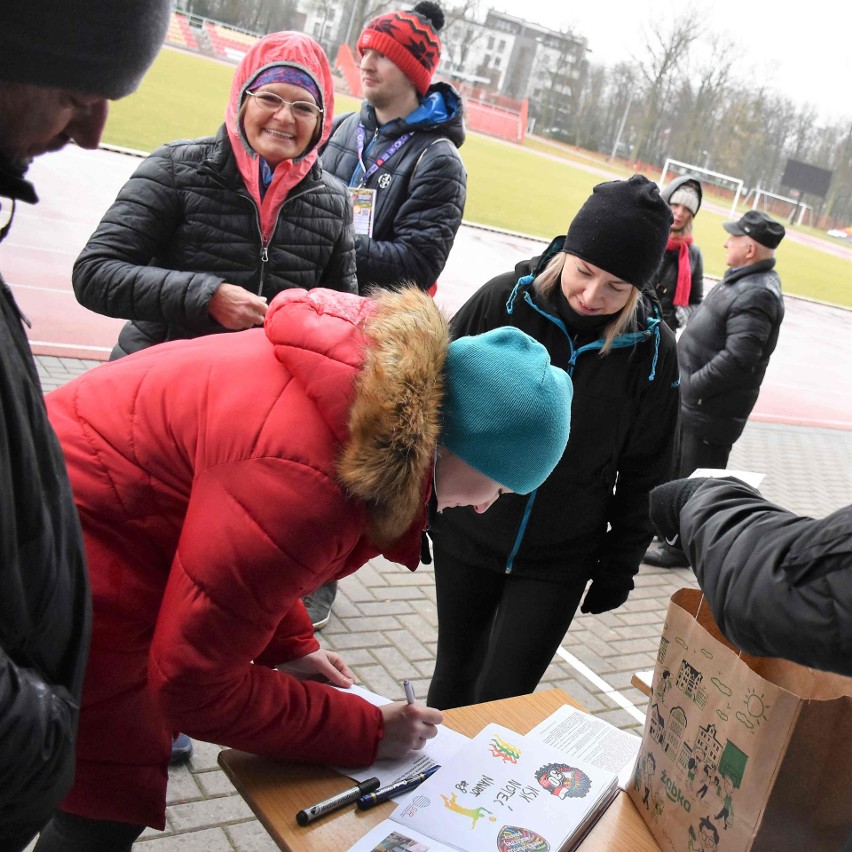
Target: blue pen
x=370 y=800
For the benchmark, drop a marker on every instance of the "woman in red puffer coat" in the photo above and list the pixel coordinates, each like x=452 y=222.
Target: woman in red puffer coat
x=217 y=485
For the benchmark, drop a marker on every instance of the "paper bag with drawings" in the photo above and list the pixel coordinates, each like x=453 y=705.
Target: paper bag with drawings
x=503 y=791
x=741 y=752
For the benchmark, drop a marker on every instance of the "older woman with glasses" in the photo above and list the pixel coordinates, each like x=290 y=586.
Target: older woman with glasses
x=207 y=231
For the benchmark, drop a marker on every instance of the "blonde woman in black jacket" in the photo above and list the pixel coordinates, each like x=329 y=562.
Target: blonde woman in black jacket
x=509 y=580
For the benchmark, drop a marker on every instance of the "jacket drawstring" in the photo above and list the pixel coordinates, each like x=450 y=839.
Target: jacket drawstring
x=523 y=281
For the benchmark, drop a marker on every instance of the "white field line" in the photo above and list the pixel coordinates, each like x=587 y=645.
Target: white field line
x=582 y=669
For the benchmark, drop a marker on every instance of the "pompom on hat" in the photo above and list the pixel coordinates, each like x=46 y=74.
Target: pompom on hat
x=100 y=47
x=409 y=39
x=622 y=228
x=507 y=409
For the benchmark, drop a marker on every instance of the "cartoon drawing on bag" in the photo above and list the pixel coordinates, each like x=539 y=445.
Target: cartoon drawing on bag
x=648 y=771
x=706 y=839
x=756 y=709
x=664 y=685
x=725 y=790
x=659 y=806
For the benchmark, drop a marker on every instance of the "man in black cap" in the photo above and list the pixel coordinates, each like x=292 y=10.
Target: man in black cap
x=723 y=353
x=59 y=64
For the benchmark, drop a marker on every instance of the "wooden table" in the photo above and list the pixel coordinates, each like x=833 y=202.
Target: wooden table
x=275 y=791
x=643 y=681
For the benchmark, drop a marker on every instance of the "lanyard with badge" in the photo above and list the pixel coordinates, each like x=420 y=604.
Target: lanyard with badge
x=364 y=199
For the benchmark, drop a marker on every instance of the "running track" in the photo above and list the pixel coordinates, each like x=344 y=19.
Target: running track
x=809 y=381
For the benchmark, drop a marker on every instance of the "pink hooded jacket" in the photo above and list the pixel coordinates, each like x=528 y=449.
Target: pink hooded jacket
x=284 y=48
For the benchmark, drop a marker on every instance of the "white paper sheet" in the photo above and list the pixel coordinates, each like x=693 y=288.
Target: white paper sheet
x=750 y=477
x=437 y=751
x=580 y=734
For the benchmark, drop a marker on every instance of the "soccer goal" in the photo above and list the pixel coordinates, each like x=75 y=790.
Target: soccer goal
x=735 y=185
x=759 y=197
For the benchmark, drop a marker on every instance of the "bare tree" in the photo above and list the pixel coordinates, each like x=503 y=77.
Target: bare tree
x=461 y=32
x=839 y=201
x=589 y=126
x=559 y=60
x=356 y=14
x=665 y=60
x=702 y=108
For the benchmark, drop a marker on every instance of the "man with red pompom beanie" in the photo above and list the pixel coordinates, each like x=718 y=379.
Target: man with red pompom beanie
x=399 y=156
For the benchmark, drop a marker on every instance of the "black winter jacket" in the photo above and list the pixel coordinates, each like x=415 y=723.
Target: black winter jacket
x=623 y=416
x=184 y=223
x=779 y=585
x=45 y=618
x=420 y=190
x=665 y=281
x=724 y=351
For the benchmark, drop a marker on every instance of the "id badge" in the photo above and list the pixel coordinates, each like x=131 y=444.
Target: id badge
x=363 y=204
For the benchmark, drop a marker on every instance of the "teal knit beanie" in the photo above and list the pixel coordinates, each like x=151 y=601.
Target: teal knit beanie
x=507 y=410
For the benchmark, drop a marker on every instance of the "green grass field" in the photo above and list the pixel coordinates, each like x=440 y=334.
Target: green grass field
x=533 y=189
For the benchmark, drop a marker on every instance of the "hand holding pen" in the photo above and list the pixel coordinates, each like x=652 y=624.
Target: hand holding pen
x=408 y=725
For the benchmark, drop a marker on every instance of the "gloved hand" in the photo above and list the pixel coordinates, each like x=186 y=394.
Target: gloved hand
x=603 y=596
x=666 y=501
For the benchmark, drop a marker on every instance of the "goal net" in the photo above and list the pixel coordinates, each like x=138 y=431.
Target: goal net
x=673 y=168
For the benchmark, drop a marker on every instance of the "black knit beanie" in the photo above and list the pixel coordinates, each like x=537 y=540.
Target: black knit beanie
x=100 y=47
x=623 y=228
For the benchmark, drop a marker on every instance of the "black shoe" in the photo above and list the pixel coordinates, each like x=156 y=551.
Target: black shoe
x=181 y=750
x=318 y=604
x=663 y=555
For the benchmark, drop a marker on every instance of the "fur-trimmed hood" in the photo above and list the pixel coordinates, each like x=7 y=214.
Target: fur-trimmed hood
x=389 y=352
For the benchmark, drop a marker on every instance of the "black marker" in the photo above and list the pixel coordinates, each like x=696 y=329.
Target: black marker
x=338 y=801
x=370 y=800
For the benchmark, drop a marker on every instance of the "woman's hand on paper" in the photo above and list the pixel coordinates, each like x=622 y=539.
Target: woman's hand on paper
x=407 y=727
x=324 y=666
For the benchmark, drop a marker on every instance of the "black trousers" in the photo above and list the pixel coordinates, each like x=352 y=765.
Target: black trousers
x=497 y=632
x=70 y=833
x=693 y=452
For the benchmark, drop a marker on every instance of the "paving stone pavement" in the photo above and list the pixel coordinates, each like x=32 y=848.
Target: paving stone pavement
x=385 y=626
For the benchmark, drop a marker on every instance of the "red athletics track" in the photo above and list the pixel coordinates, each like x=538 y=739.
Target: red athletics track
x=809 y=381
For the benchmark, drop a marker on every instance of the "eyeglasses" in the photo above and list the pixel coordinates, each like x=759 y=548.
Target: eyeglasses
x=271 y=103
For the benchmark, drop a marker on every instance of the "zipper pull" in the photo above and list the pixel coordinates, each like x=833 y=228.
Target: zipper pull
x=264 y=254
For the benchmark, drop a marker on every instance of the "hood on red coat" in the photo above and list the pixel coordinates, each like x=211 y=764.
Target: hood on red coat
x=283 y=48
x=374 y=367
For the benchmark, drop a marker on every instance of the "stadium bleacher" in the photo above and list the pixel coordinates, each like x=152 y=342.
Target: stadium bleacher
x=209 y=37
x=228 y=43
x=180 y=33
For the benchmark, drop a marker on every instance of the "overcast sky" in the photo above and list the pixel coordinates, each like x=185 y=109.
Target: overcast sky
x=800 y=50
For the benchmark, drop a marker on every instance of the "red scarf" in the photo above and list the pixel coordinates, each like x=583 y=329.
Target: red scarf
x=684 y=270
